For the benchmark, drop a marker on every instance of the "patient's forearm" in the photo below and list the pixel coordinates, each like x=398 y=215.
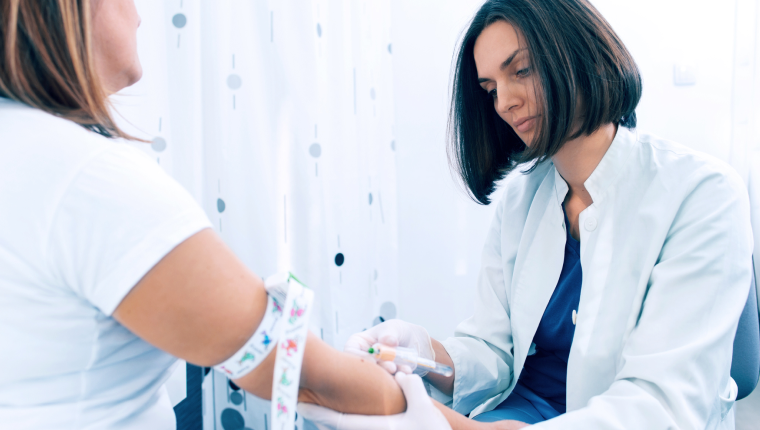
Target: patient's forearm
x=348 y=384
x=335 y=380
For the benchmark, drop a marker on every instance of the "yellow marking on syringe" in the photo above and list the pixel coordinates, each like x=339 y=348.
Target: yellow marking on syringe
x=408 y=357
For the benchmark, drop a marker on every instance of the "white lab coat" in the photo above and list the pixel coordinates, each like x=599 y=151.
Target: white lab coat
x=666 y=255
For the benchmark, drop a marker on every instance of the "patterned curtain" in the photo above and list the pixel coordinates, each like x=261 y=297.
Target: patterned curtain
x=277 y=115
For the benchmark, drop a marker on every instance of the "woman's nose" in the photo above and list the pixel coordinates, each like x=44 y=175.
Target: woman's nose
x=505 y=99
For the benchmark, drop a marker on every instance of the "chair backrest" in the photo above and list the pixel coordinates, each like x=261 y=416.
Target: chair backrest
x=746 y=360
x=745 y=366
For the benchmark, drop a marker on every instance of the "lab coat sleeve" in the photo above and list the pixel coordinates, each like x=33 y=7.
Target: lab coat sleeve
x=675 y=366
x=481 y=348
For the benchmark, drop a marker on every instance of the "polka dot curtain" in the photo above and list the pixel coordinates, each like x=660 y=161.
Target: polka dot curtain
x=278 y=117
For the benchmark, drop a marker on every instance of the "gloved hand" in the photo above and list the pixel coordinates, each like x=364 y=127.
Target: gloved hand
x=420 y=413
x=392 y=333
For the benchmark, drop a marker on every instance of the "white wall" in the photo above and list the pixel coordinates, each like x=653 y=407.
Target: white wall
x=441 y=231
x=661 y=34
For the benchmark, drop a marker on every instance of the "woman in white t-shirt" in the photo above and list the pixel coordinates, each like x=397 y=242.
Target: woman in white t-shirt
x=108 y=268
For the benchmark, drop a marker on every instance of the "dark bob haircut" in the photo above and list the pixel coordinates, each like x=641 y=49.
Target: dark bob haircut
x=579 y=62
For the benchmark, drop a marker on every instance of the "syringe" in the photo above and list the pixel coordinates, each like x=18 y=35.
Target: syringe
x=408 y=357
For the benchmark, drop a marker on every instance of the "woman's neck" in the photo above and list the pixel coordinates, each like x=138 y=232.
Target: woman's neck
x=578 y=158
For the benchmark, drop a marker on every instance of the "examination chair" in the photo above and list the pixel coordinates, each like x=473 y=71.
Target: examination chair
x=745 y=366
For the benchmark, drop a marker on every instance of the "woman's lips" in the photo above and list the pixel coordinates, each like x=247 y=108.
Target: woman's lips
x=525 y=124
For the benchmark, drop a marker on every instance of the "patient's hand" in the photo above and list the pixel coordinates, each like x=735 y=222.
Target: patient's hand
x=421 y=414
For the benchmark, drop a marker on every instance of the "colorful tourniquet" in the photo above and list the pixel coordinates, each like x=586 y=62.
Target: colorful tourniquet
x=290 y=349
x=259 y=345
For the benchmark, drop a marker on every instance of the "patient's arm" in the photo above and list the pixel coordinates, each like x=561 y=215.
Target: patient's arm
x=200 y=303
x=336 y=380
x=346 y=383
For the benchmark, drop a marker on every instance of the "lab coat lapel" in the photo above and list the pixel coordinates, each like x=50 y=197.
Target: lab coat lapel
x=538 y=264
x=593 y=361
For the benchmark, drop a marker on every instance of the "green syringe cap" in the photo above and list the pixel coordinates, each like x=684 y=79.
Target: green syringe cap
x=371 y=350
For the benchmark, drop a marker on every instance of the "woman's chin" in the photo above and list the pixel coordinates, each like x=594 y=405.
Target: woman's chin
x=135 y=75
x=527 y=138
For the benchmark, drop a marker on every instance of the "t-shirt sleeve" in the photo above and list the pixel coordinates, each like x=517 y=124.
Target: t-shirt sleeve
x=120 y=216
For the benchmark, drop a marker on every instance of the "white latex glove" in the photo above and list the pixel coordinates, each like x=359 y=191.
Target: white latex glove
x=420 y=413
x=392 y=333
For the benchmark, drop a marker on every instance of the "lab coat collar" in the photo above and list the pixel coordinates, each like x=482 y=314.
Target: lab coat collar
x=560 y=186
x=611 y=166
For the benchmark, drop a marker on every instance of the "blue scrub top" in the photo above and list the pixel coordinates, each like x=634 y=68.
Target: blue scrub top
x=545 y=372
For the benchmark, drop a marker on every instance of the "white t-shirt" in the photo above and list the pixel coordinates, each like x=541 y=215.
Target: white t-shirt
x=82 y=220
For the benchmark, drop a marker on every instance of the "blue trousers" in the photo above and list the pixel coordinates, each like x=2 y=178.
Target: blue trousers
x=521 y=405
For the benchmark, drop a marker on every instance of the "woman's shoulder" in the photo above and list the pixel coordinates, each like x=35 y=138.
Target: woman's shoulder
x=663 y=149
x=526 y=177
x=679 y=165
x=51 y=158
x=519 y=187
x=26 y=131
x=36 y=143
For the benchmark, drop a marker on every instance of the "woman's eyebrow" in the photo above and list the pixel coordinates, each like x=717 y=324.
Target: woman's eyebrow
x=511 y=58
x=505 y=64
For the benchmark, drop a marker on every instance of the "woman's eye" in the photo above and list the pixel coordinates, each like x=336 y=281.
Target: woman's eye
x=492 y=93
x=523 y=72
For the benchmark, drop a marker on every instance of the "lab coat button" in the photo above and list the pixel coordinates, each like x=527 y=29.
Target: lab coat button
x=575 y=317
x=591 y=224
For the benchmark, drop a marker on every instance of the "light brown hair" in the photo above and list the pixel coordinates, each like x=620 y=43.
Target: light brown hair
x=46 y=61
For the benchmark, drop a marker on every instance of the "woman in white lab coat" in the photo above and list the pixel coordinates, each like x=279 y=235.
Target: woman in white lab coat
x=617 y=265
